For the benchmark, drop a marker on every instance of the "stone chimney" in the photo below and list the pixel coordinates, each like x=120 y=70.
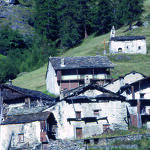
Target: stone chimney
x=62 y=62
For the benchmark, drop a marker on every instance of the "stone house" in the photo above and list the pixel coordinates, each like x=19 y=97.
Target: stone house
x=87 y=111
x=128 y=78
x=21 y=116
x=127 y=44
x=71 y=72
x=27 y=131
x=15 y=100
x=138 y=102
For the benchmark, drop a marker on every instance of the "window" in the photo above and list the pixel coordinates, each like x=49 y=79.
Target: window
x=127 y=47
x=119 y=50
x=78 y=114
x=141 y=95
x=21 y=138
x=96 y=112
x=79 y=133
x=139 y=47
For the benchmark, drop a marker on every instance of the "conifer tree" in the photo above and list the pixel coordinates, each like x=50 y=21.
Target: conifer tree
x=132 y=11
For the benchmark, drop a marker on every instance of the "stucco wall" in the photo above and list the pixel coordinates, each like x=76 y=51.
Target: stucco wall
x=31 y=134
x=114 y=110
x=128 y=46
x=51 y=80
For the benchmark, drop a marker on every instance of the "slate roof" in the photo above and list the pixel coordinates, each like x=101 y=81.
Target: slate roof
x=81 y=62
x=132 y=72
x=26 y=118
x=75 y=93
x=13 y=92
x=138 y=85
x=127 y=38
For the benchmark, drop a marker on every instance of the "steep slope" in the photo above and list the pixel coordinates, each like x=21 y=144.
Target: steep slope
x=95 y=45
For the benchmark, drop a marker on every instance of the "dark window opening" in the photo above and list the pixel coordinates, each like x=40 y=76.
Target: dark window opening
x=86 y=141
x=139 y=47
x=20 y=138
x=96 y=141
x=78 y=114
x=127 y=47
x=119 y=50
x=141 y=95
x=96 y=112
x=79 y=133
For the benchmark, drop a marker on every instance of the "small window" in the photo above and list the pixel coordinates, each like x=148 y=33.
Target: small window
x=127 y=47
x=119 y=50
x=96 y=112
x=20 y=138
x=141 y=95
x=139 y=47
x=78 y=114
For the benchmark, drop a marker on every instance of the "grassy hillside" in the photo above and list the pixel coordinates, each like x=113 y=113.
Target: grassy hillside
x=124 y=63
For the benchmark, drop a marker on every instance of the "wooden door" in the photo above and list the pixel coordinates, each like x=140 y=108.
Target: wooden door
x=78 y=132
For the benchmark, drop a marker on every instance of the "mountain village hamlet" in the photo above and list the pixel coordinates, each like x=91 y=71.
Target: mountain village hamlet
x=89 y=104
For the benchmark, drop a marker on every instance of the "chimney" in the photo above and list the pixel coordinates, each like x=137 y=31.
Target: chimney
x=62 y=62
x=10 y=82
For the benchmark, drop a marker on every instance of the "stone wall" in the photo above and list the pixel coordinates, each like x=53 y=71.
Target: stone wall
x=115 y=111
x=132 y=47
x=51 y=80
x=30 y=131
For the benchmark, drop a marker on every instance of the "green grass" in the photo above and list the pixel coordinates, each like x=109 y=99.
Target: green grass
x=36 y=80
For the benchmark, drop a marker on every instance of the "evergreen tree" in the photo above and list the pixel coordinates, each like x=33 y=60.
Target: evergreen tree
x=68 y=26
x=132 y=11
x=104 y=16
x=45 y=18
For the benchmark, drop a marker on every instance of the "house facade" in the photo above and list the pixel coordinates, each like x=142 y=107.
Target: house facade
x=27 y=131
x=127 y=44
x=71 y=72
x=138 y=102
x=88 y=111
x=21 y=118
x=128 y=78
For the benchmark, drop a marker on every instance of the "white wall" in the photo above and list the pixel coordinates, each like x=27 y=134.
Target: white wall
x=132 y=46
x=51 y=80
x=114 y=110
x=31 y=134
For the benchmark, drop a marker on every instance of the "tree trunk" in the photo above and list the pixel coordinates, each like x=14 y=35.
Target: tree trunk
x=85 y=31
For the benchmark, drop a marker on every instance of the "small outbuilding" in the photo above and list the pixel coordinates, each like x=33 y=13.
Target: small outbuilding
x=127 y=44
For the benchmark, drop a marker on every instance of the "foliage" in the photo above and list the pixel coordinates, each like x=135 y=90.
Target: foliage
x=10 y=40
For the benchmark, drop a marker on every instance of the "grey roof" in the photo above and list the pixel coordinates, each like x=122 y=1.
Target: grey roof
x=26 y=118
x=127 y=38
x=109 y=95
x=12 y=92
x=81 y=62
